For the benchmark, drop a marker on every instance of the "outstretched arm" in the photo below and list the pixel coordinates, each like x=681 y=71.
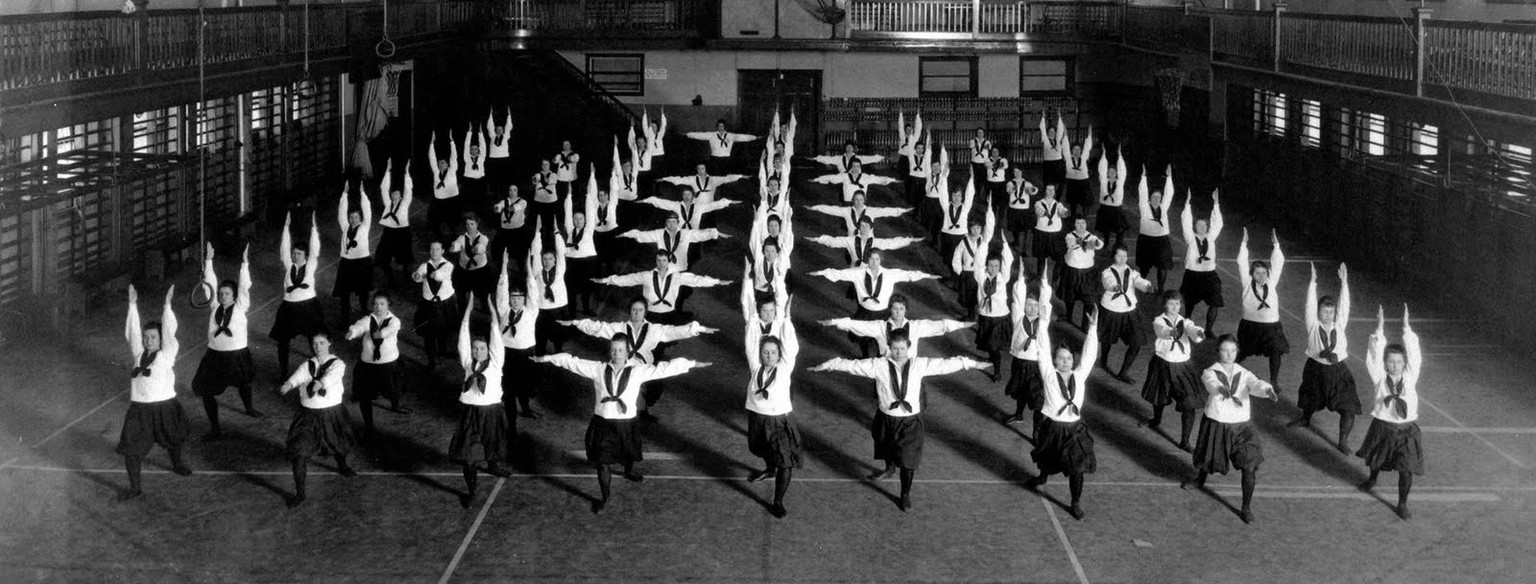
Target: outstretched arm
x=285 y=242
x=1276 y=259
x=1343 y=304
x=1412 y=348
x=1242 y=260
x=465 y=358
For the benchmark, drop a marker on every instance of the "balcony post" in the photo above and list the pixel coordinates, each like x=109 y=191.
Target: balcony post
x=975 y=19
x=1274 y=37
x=1420 y=14
x=1188 y=4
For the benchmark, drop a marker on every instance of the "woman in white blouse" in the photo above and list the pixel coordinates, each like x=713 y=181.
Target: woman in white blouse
x=227 y=363
x=771 y=431
x=1171 y=376
x=1227 y=438
x=1326 y=381
x=321 y=426
x=484 y=421
x=154 y=416
x=1392 y=442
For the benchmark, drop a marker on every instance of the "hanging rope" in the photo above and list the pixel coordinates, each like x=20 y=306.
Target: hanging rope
x=386 y=48
x=203 y=295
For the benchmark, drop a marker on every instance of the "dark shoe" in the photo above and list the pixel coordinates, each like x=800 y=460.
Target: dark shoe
x=1299 y=423
x=182 y=470
x=1077 y=512
x=129 y=495
x=295 y=500
x=1126 y=379
x=1247 y=517
x=1034 y=483
x=254 y=413
x=778 y=510
x=1185 y=447
x=1014 y=420
x=465 y=499
x=1367 y=485
x=881 y=475
x=760 y=475
x=905 y=503
x=497 y=470
x=346 y=471
x=1343 y=448
x=597 y=507
x=634 y=476
x=1402 y=511
x=1192 y=484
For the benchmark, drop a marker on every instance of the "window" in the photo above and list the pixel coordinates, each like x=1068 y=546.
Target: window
x=157 y=131
x=88 y=136
x=1269 y=110
x=620 y=74
x=1375 y=134
x=1044 y=76
x=1424 y=139
x=1311 y=123
x=947 y=76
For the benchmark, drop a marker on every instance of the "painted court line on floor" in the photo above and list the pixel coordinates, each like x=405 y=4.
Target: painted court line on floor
x=473 y=528
x=1065 y=543
x=120 y=394
x=1478 y=493
x=1466 y=430
x=582 y=454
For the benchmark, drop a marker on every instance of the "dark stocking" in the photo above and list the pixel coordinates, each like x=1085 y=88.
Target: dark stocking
x=1186 y=425
x=906 y=484
x=1274 y=367
x=1404 y=484
x=1250 y=479
x=135 y=465
x=282 y=356
x=211 y=407
x=1210 y=317
x=781 y=486
x=604 y=480
x=1346 y=427
x=366 y=408
x=1075 y=484
x=1157 y=415
x=246 y=399
x=300 y=474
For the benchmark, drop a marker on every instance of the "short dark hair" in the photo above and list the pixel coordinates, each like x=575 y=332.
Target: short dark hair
x=1227 y=338
x=901 y=337
x=1327 y=302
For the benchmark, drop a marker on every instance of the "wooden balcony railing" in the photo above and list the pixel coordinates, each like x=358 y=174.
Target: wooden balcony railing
x=1168 y=28
x=1382 y=47
x=1492 y=58
x=42 y=49
x=1082 y=19
x=638 y=17
x=981 y=19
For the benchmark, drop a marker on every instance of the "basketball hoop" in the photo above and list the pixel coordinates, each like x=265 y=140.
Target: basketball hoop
x=1170 y=85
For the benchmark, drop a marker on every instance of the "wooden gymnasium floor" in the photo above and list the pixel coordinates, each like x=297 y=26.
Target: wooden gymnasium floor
x=696 y=519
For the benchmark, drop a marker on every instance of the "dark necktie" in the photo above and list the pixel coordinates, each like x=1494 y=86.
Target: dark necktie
x=1178 y=334
x=1031 y=330
x=433 y=285
x=296 y=279
x=470 y=243
x=637 y=340
x=1068 y=386
x=1083 y=241
x=144 y=362
x=549 y=285
x=394 y=212
x=511 y=328
x=662 y=286
x=988 y=289
x=766 y=381
x=1077 y=163
x=724 y=139
x=671 y=241
x=954 y=216
x=1120 y=285
x=1229 y=386
x=1395 y=398
x=442 y=178
x=688 y=215
x=1050 y=214
x=608 y=386
x=1261 y=293
x=316 y=386
x=1157 y=215
x=602 y=214
x=352 y=238
x=508 y=212
x=565 y=163
x=376 y=336
x=1203 y=246
x=476 y=378
x=873 y=285
x=1020 y=197
x=899 y=388
x=1328 y=339
x=861 y=247
x=221 y=318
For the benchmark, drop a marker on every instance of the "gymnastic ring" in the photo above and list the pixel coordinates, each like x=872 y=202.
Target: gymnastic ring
x=385 y=49
x=202 y=290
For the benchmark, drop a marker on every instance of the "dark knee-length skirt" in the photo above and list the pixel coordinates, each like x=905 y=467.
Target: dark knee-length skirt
x=353 y=276
x=1025 y=384
x=1125 y=327
x=613 y=441
x=898 y=440
x=395 y=245
x=1154 y=251
x=1202 y=287
x=775 y=439
x=220 y=370
x=1082 y=283
x=296 y=319
x=320 y=432
x=1222 y=446
x=1261 y=339
x=1049 y=244
x=1110 y=219
x=1079 y=193
x=993 y=333
x=375 y=380
x=150 y=423
x=1177 y=383
x=1393 y=447
x=1063 y=447
x=1327 y=387
x=488 y=427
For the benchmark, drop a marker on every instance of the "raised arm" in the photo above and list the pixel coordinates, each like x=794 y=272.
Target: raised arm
x=1167 y=189
x=465 y=358
x=243 y=301
x=1187 y=222
x=1090 y=348
x=503 y=296
x=1412 y=348
x=168 y=325
x=133 y=329
x=314 y=240
x=432 y=155
x=384 y=183
x=1276 y=259
x=1242 y=260
x=1088 y=143
x=1120 y=175
x=494 y=342
x=1215 y=221
x=1343 y=302
x=209 y=278
x=1309 y=312
x=285 y=242
x=342 y=207
x=1143 y=200
x=1375 y=347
